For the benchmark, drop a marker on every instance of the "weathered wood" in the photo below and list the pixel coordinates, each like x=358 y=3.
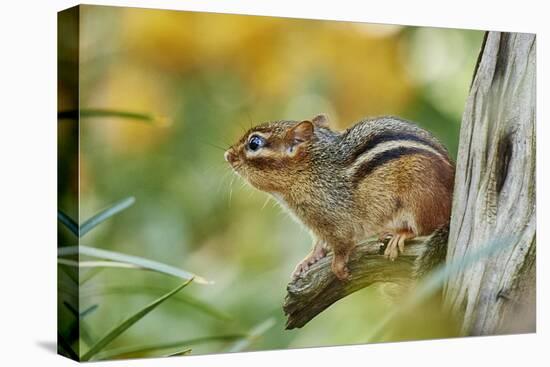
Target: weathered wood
x=318 y=288
x=494 y=194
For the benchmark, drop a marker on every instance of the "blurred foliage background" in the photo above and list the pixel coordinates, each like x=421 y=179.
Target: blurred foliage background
x=205 y=78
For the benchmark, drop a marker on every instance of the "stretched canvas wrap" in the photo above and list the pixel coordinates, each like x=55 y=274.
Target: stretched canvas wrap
x=234 y=183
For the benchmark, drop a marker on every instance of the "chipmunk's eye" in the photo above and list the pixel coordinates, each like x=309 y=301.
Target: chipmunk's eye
x=255 y=142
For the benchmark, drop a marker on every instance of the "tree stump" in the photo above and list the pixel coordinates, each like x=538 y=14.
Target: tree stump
x=494 y=195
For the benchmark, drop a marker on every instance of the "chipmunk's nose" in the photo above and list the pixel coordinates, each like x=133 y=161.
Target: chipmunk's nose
x=229 y=156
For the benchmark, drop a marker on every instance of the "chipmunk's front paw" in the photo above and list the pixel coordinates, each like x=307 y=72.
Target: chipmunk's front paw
x=300 y=268
x=317 y=254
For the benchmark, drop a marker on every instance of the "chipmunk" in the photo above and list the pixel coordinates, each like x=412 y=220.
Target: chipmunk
x=383 y=176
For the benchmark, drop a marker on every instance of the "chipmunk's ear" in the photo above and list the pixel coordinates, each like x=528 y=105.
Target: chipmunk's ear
x=299 y=134
x=321 y=120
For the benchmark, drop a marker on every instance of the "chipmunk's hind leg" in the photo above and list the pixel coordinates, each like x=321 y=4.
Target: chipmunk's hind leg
x=340 y=261
x=396 y=244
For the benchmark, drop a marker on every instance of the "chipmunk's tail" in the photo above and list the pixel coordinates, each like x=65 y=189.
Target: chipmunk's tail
x=434 y=252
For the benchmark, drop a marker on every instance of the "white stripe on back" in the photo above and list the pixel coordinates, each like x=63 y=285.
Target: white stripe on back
x=386 y=146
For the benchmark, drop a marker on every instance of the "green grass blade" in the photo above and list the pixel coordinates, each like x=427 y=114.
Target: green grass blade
x=102 y=216
x=183 y=352
x=88 y=311
x=204 y=307
x=86 y=276
x=132 y=260
x=96 y=264
x=71 y=309
x=64 y=346
x=126 y=352
x=184 y=298
x=101 y=112
x=68 y=222
x=66 y=283
x=85 y=335
x=72 y=279
x=68 y=291
x=79 y=323
x=253 y=335
x=123 y=326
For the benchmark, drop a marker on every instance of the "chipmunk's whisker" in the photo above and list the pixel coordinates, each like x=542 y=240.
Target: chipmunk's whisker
x=243 y=128
x=231 y=187
x=224 y=178
x=265 y=202
x=216 y=146
x=249 y=119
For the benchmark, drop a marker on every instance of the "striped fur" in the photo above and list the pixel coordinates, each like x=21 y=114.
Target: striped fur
x=387 y=151
x=379 y=141
x=393 y=136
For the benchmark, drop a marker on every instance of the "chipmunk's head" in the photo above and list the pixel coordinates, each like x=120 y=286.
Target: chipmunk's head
x=274 y=155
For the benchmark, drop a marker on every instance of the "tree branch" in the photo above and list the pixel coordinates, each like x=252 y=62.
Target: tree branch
x=318 y=288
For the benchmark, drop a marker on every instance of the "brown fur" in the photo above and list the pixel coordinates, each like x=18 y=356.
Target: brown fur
x=403 y=192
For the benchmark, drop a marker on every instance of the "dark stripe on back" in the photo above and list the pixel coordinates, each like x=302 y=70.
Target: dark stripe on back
x=393 y=136
x=386 y=156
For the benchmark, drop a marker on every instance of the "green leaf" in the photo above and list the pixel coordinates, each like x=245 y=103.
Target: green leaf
x=184 y=298
x=143 y=350
x=131 y=260
x=253 y=335
x=102 y=216
x=99 y=112
x=124 y=325
x=68 y=222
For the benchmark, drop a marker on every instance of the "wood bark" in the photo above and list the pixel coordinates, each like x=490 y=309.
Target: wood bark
x=494 y=199
x=494 y=196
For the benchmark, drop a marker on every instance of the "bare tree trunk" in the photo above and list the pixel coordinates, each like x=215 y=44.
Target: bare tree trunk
x=494 y=196
x=494 y=202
